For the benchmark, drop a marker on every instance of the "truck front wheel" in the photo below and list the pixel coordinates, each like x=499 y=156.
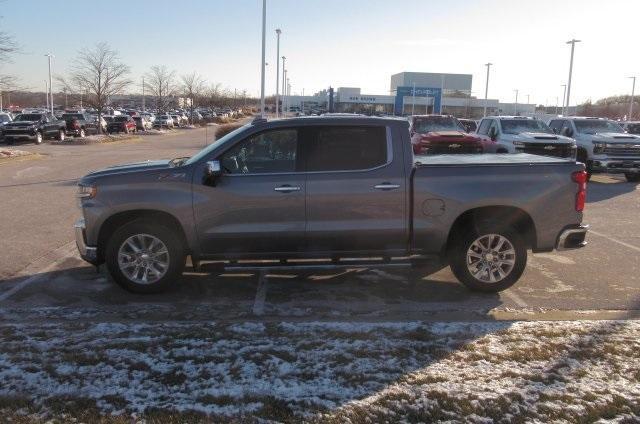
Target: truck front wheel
x=144 y=258
x=490 y=259
x=632 y=178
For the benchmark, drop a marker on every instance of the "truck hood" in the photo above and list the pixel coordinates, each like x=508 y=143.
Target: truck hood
x=543 y=138
x=20 y=123
x=616 y=137
x=131 y=167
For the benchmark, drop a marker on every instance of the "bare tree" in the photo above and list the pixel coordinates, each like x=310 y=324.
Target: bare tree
x=192 y=85
x=98 y=73
x=161 y=83
x=8 y=47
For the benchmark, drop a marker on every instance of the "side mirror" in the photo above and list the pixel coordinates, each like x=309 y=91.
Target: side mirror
x=493 y=134
x=212 y=171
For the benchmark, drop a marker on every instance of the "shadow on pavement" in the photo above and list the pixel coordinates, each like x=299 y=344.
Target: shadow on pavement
x=599 y=191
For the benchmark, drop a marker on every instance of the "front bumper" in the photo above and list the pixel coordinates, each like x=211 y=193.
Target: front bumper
x=572 y=237
x=615 y=165
x=27 y=135
x=88 y=253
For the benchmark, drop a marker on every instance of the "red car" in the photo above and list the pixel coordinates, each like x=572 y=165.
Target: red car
x=122 y=123
x=438 y=134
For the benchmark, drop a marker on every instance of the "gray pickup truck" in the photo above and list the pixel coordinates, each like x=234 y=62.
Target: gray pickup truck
x=294 y=191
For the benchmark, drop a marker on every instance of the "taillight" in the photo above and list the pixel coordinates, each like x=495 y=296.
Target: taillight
x=580 y=178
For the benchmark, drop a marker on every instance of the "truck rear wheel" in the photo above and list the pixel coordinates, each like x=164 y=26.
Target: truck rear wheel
x=60 y=136
x=490 y=259
x=144 y=258
x=632 y=177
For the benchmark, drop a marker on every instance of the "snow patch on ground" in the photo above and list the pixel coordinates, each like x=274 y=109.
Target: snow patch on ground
x=334 y=371
x=12 y=153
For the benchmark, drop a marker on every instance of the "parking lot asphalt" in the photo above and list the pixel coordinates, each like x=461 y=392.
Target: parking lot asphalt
x=43 y=278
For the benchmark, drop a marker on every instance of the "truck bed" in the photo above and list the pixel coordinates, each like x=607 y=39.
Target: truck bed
x=488 y=159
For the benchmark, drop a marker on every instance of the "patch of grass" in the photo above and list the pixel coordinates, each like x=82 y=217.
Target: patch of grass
x=276 y=409
x=117 y=401
x=216 y=400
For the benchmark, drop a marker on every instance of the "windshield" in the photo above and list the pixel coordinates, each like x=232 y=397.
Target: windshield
x=72 y=116
x=121 y=118
x=436 y=123
x=592 y=126
x=517 y=126
x=28 y=117
x=204 y=152
x=4 y=118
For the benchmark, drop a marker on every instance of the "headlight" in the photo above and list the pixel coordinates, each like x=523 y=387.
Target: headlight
x=598 y=147
x=87 y=191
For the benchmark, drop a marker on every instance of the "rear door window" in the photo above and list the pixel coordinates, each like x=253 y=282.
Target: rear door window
x=347 y=148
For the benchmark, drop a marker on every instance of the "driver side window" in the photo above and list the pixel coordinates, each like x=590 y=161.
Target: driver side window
x=494 y=127
x=269 y=152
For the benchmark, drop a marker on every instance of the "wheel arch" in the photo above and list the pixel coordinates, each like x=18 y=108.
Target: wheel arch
x=512 y=216
x=111 y=224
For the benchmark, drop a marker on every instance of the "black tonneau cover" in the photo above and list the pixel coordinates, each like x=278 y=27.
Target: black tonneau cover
x=487 y=159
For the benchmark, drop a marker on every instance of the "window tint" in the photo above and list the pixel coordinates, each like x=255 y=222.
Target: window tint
x=268 y=152
x=484 y=127
x=344 y=148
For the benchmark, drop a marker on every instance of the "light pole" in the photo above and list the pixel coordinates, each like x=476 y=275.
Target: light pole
x=556 y=105
x=633 y=92
x=143 y=102
x=46 y=93
x=573 y=45
x=516 y=105
x=278 y=32
x=50 y=56
x=284 y=77
x=284 y=92
x=262 y=64
x=486 y=89
x=413 y=101
x=564 y=96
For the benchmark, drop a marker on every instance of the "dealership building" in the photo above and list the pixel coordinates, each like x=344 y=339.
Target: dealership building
x=412 y=93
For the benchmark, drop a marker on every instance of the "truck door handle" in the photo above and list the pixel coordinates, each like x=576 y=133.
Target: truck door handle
x=386 y=186
x=286 y=189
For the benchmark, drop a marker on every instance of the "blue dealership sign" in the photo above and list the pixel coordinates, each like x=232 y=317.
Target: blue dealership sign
x=402 y=92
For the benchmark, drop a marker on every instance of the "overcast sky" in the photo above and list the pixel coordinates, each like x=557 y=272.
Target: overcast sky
x=355 y=43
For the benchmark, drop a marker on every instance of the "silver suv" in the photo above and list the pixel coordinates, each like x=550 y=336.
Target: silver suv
x=602 y=145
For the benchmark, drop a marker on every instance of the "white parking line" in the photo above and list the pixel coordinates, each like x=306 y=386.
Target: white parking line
x=516 y=299
x=620 y=242
x=261 y=294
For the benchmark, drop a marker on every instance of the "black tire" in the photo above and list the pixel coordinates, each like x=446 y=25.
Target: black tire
x=171 y=240
x=632 y=177
x=9 y=141
x=462 y=243
x=60 y=136
x=126 y=130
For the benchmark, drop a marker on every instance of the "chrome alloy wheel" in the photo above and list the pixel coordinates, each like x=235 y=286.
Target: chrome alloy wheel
x=143 y=258
x=491 y=258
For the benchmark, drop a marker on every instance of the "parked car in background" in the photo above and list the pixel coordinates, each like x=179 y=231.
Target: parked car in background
x=5 y=118
x=438 y=134
x=632 y=127
x=602 y=145
x=163 y=121
x=79 y=124
x=360 y=193
x=177 y=122
x=122 y=123
x=142 y=123
x=35 y=127
x=521 y=134
x=150 y=116
x=469 y=125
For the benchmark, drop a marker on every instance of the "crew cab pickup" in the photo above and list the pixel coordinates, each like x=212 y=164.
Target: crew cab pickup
x=34 y=126
x=602 y=145
x=520 y=134
x=122 y=123
x=329 y=187
x=436 y=134
x=79 y=124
